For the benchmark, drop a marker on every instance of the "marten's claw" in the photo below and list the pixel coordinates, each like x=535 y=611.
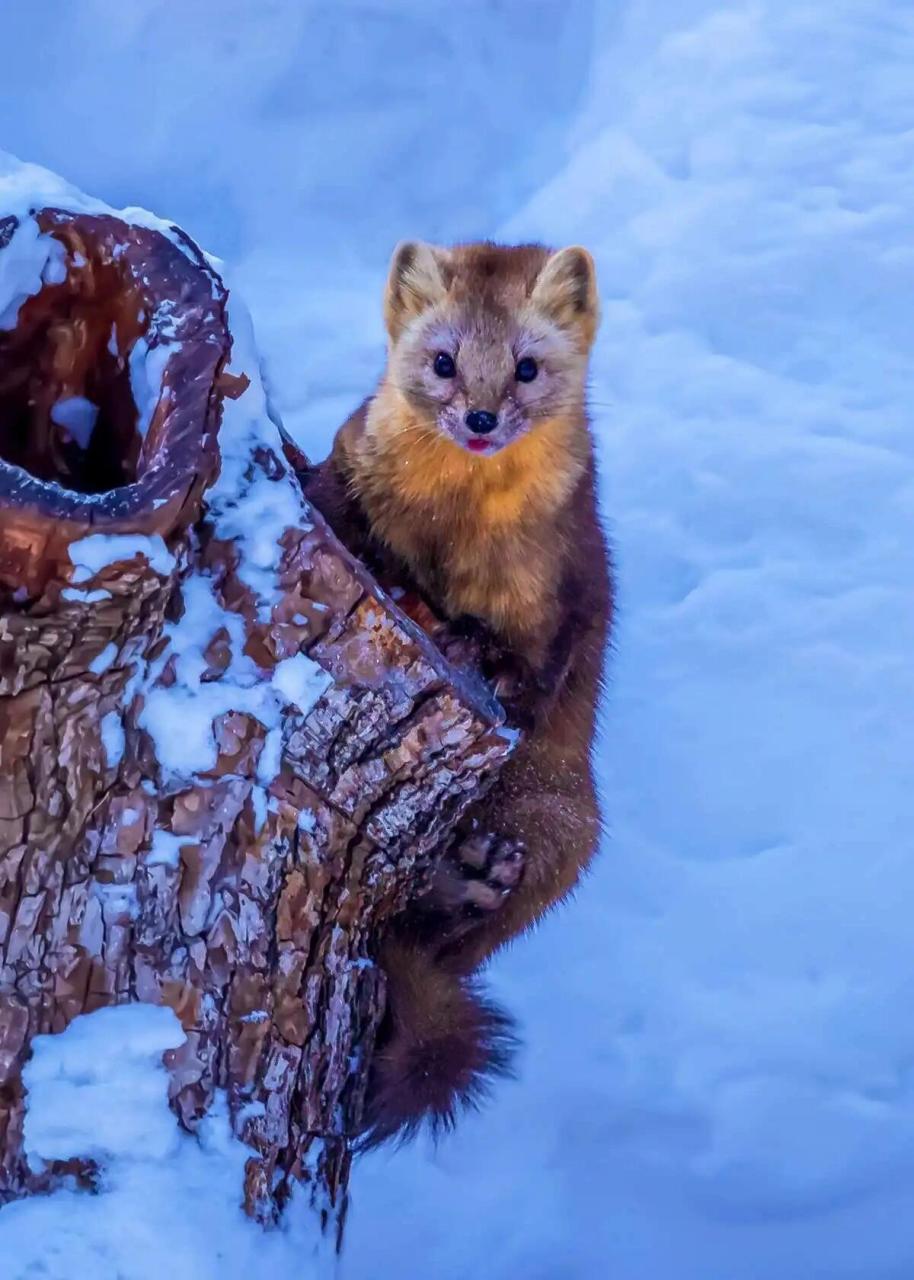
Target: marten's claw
x=478 y=875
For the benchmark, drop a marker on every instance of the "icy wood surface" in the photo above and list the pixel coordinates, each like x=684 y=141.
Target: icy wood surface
x=225 y=755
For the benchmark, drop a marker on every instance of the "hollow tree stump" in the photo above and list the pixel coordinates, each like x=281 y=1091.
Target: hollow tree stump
x=226 y=757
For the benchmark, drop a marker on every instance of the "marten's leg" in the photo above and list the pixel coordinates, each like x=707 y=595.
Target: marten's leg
x=528 y=846
x=442 y=1042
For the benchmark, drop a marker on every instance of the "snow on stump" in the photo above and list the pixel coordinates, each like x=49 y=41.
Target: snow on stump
x=226 y=757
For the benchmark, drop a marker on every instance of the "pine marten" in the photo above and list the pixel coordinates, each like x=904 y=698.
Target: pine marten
x=470 y=473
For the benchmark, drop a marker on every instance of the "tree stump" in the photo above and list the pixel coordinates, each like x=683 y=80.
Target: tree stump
x=227 y=757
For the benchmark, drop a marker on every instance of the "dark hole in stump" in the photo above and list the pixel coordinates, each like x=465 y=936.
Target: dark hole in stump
x=67 y=412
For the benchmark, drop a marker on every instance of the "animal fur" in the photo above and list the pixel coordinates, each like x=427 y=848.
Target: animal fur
x=508 y=545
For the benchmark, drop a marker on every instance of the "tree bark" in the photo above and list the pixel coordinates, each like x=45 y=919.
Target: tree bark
x=244 y=890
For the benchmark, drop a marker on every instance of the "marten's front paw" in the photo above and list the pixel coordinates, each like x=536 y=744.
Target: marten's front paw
x=478 y=875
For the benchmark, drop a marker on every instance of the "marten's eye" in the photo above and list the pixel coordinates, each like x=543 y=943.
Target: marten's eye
x=526 y=369
x=444 y=365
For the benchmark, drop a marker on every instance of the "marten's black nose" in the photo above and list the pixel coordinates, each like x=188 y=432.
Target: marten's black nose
x=481 y=421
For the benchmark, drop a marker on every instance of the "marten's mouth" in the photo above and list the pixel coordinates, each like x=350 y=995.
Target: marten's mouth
x=511 y=425
x=486 y=446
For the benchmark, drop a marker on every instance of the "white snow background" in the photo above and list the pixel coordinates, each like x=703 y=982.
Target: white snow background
x=718 y=1080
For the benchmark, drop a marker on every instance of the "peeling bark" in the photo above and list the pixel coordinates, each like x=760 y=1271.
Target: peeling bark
x=245 y=895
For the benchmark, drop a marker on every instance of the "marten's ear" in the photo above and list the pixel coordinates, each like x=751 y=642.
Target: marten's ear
x=566 y=291
x=419 y=277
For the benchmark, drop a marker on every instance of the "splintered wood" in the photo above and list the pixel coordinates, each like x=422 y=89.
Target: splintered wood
x=241 y=880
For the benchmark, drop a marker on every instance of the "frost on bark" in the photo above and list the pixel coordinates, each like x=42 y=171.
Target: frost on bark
x=225 y=756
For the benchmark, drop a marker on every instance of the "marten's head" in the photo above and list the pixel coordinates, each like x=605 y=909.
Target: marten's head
x=488 y=343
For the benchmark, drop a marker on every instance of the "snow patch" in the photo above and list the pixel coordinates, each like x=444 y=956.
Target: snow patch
x=99 y=1088
x=96 y=551
x=28 y=261
x=301 y=681
x=77 y=415
x=166 y=849
x=100 y=664
x=146 y=365
x=260 y=806
x=270 y=761
x=113 y=739
x=180 y=717
x=249 y=505
x=84 y=596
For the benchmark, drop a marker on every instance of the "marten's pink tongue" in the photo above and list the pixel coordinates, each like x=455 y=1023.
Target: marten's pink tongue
x=478 y=446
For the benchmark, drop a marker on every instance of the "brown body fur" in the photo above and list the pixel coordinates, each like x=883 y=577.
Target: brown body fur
x=512 y=542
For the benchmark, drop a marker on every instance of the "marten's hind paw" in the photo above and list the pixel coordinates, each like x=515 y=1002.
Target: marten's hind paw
x=479 y=874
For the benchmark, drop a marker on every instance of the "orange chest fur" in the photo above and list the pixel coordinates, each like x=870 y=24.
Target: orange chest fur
x=483 y=536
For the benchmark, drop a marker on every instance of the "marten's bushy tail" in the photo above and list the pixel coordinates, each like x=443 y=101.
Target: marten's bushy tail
x=441 y=1047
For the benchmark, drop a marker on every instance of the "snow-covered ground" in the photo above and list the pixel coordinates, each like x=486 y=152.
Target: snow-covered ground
x=718 y=1081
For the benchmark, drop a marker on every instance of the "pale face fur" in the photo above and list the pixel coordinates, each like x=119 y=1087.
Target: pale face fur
x=482 y=532
x=489 y=308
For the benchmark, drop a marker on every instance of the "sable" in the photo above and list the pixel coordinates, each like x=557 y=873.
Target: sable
x=472 y=476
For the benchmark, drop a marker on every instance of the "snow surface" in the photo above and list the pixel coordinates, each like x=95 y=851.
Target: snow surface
x=97 y=1089
x=168 y=1204
x=717 y=1077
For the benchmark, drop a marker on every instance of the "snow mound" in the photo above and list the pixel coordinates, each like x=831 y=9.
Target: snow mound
x=98 y=1088
x=168 y=1204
